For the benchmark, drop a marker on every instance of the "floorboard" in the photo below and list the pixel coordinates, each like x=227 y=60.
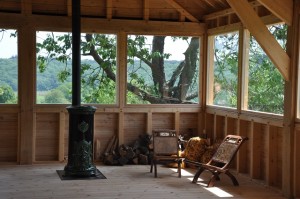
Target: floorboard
x=123 y=182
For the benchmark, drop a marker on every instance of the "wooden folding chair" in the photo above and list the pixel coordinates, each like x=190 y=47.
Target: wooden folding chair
x=165 y=149
x=220 y=161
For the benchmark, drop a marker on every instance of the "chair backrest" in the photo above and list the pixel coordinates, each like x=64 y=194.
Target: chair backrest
x=227 y=150
x=165 y=142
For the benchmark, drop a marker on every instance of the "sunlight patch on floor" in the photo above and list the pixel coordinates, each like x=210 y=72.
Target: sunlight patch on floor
x=184 y=173
x=214 y=190
x=218 y=192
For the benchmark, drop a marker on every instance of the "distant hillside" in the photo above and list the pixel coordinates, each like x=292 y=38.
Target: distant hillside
x=48 y=79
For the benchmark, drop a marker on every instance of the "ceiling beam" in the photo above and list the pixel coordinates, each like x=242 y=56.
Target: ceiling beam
x=283 y=9
x=183 y=11
x=263 y=36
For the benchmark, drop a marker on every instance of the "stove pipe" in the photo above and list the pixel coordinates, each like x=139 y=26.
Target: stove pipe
x=81 y=118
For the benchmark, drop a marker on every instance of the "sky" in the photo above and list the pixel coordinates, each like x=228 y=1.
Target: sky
x=8 y=45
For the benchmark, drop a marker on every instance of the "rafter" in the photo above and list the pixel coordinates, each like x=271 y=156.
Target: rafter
x=183 y=11
x=263 y=36
x=109 y=9
x=146 y=9
x=283 y=9
x=27 y=7
x=69 y=4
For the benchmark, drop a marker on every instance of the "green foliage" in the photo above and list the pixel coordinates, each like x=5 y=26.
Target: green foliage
x=7 y=95
x=9 y=72
x=56 y=97
x=226 y=70
x=266 y=85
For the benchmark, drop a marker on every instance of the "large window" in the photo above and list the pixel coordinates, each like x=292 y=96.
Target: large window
x=8 y=66
x=223 y=75
x=98 y=68
x=162 y=69
x=266 y=84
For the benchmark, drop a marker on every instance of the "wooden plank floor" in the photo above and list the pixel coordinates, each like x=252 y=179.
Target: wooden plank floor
x=132 y=182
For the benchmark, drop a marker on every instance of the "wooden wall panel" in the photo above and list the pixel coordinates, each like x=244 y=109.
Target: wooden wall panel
x=230 y=126
x=105 y=126
x=134 y=125
x=209 y=124
x=220 y=127
x=47 y=137
x=256 y=144
x=243 y=160
x=9 y=137
x=275 y=157
x=265 y=151
x=188 y=125
x=66 y=137
x=163 y=121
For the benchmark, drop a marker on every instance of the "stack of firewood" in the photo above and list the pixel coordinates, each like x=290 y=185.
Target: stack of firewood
x=139 y=153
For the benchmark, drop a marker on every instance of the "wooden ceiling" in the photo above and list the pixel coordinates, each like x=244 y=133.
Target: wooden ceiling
x=214 y=13
x=162 y=10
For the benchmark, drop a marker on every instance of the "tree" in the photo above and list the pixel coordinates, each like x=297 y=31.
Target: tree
x=99 y=80
x=7 y=95
x=265 y=86
x=56 y=96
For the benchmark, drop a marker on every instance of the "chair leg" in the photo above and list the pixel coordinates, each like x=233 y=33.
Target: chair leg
x=213 y=178
x=233 y=179
x=155 y=169
x=179 y=169
x=198 y=173
x=151 y=167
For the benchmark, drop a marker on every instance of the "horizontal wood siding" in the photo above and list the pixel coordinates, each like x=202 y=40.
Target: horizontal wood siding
x=47 y=135
x=163 y=121
x=134 y=125
x=9 y=137
x=189 y=124
x=105 y=127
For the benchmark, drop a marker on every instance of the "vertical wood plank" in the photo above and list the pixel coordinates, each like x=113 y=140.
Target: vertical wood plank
x=61 y=137
x=177 y=122
x=255 y=149
x=210 y=70
x=243 y=65
x=149 y=122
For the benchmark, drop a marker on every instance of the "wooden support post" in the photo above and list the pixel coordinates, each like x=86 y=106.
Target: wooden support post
x=26 y=40
x=121 y=46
